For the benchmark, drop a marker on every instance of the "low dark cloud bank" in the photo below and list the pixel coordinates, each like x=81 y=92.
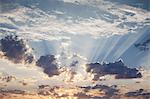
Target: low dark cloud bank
x=138 y=93
x=117 y=68
x=108 y=92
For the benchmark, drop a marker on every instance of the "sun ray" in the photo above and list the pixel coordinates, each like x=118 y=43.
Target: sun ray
x=129 y=42
x=113 y=45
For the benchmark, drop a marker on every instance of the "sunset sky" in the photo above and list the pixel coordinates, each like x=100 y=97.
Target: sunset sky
x=69 y=45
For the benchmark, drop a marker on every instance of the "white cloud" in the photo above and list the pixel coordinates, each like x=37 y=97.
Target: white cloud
x=41 y=25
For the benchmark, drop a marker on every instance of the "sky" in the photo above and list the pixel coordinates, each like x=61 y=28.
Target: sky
x=76 y=32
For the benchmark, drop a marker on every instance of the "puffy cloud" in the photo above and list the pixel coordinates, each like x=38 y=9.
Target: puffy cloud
x=15 y=49
x=47 y=62
x=117 y=68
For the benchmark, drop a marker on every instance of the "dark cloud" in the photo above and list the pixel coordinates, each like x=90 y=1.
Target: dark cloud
x=15 y=49
x=46 y=90
x=138 y=93
x=12 y=91
x=47 y=62
x=87 y=92
x=81 y=95
x=117 y=68
x=43 y=86
x=108 y=91
x=29 y=58
x=7 y=78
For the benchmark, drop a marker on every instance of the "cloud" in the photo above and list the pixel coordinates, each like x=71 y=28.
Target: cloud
x=82 y=95
x=48 y=64
x=117 y=68
x=48 y=24
x=71 y=25
x=86 y=92
x=15 y=49
x=103 y=91
x=7 y=78
x=138 y=93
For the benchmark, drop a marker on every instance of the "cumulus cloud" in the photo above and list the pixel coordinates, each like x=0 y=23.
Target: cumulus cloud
x=48 y=64
x=117 y=68
x=15 y=49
